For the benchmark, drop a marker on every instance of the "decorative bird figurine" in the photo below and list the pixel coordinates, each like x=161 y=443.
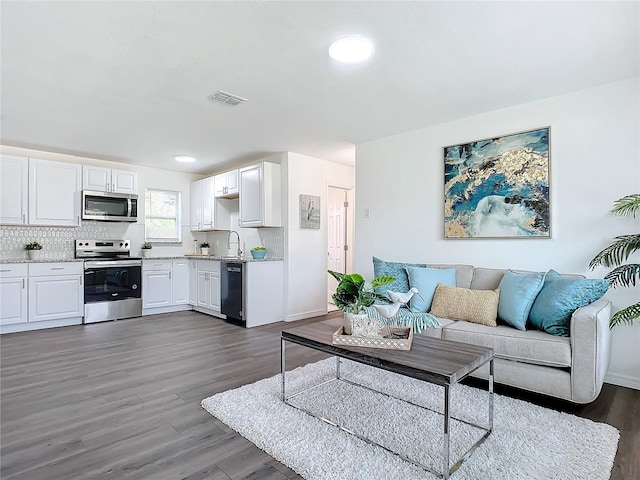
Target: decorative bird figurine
x=388 y=311
x=403 y=298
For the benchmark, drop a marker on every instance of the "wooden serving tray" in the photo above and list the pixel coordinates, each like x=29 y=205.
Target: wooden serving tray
x=339 y=338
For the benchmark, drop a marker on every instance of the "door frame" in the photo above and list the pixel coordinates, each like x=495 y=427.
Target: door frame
x=349 y=227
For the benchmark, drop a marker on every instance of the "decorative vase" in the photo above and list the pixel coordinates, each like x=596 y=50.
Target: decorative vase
x=204 y=250
x=33 y=254
x=353 y=318
x=146 y=252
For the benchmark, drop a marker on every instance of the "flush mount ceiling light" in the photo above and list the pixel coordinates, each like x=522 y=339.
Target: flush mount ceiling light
x=351 y=49
x=184 y=158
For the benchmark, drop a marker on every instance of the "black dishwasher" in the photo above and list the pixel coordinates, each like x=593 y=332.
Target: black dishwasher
x=232 y=292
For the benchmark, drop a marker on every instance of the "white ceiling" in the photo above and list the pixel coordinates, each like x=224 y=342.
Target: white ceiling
x=128 y=81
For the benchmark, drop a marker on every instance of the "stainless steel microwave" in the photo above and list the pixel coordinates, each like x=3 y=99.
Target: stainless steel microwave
x=110 y=207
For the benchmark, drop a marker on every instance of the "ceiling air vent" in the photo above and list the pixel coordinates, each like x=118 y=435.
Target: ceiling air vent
x=226 y=98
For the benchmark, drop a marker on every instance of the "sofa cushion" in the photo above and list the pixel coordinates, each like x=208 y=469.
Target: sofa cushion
x=464 y=273
x=486 y=278
x=395 y=269
x=479 y=306
x=426 y=280
x=559 y=298
x=517 y=294
x=533 y=346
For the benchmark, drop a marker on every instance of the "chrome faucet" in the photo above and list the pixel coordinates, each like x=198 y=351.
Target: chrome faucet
x=239 y=252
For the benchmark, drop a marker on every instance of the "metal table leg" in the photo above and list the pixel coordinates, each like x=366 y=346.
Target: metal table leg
x=282 y=369
x=447 y=424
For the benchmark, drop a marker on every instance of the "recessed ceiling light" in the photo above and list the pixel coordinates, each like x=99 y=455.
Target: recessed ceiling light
x=184 y=159
x=351 y=49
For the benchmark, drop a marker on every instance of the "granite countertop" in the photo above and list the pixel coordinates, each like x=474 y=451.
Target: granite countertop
x=40 y=260
x=191 y=257
x=217 y=258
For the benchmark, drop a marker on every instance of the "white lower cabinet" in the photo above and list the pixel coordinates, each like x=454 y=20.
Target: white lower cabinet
x=156 y=283
x=208 y=286
x=165 y=286
x=13 y=294
x=193 y=282
x=56 y=292
x=180 y=282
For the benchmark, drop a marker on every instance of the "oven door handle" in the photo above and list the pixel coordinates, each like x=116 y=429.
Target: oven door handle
x=89 y=272
x=112 y=263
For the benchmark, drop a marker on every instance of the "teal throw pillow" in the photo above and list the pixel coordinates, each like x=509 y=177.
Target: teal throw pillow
x=518 y=291
x=560 y=297
x=395 y=269
x=426 y=280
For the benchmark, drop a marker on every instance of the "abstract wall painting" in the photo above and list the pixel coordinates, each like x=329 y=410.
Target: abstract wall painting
x=310 y=212
x=498 y=188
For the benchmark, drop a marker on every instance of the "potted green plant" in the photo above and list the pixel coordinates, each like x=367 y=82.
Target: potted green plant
x=33 y=250
x=146 y=249
x=258 y=252
x=618 y=252
x=204 y=248
x=353 y=293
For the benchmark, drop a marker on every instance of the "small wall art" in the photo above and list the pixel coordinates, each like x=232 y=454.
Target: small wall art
x=310 y=212
x=498 y=188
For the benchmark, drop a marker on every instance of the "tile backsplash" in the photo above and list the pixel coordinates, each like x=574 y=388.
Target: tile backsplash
x=58 y=242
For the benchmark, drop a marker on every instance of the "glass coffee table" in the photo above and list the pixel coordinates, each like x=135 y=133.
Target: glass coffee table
x=433 y=360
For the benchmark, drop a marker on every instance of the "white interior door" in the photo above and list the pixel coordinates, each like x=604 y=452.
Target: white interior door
x=337 y=242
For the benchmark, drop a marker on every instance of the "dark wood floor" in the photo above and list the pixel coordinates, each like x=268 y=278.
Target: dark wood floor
x=122 y=400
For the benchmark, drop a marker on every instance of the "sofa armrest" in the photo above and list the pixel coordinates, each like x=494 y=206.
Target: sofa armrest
x=590 y=350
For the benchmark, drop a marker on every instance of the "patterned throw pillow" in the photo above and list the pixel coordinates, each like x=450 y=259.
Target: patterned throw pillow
x=395 y=269
x=560 y=297
x=477 y=306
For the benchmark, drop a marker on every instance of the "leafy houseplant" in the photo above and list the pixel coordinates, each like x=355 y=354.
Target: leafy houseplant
x=146 y=249
x=623 y=246
x=33 y=250
x=353 y=292
x=33 y=246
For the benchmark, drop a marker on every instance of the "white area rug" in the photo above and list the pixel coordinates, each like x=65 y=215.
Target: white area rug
x=528 y=441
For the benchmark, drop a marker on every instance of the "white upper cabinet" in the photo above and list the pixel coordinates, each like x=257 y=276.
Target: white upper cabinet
x=14 y=181
x=261 y=195
x=227 y=184
x=109 y=180
x=54 y=193
x=208 y=212
x=202 y=208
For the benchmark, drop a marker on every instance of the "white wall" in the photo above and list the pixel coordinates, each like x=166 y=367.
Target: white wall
x=595 y=159
x=306 y=250
x=147 y=178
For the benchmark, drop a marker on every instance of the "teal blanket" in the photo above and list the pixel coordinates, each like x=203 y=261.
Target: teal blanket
x=405 y=318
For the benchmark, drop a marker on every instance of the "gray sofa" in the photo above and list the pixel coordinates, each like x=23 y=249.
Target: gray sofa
x=571 y=368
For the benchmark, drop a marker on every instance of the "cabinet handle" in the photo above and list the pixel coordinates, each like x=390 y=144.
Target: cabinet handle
x=7 y=270
x=24 y=218
x=157 y=264
x=80 y=280
x=169 y=275
x=24 y=284
x=57 y=268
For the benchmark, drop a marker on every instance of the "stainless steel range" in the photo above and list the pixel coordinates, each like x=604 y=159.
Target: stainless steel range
x=112 y=280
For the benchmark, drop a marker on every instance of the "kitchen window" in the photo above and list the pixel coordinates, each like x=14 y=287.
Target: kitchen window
x=162 y=216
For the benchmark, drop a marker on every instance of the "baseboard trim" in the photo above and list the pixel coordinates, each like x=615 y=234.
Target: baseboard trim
x=623 y=380
x=303 y=315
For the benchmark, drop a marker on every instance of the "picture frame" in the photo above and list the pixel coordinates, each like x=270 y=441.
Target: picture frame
x=309 y=212
x=498 y=187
